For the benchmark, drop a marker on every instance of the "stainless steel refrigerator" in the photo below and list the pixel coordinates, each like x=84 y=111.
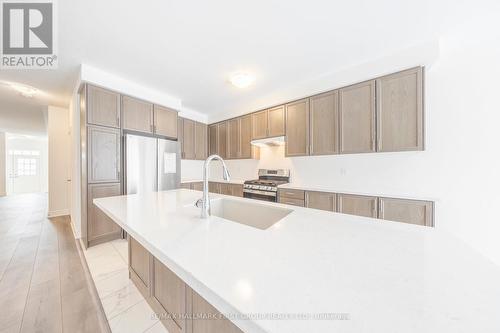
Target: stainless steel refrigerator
x=151 y=164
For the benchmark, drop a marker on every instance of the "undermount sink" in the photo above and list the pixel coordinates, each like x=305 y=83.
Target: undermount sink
x=252 y=214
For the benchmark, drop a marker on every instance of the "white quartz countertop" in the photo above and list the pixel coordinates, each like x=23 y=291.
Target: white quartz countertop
x=231 y=181
x=386 y=276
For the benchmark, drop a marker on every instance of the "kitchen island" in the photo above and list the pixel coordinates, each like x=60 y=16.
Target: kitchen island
x=316 y=271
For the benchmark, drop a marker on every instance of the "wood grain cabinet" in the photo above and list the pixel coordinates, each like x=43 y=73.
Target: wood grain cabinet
x=357 y=118
x=201 y=146
x=188 y=139
x=400 y=111
x=103 y=107
x=204 y=314
x=291 y=197
x=180 y=134
x=321 y=200
x=236 y=190
x=222 y=139
x=137 y=115
x=358 y=205
x=276 y=121
x=239 y=136
x=324 y=133
x=165 y=121
x=140 y=266
x=233 y=139
x=198 y=186
x=246 y=149
x=407 y=211
x=104 y=148
x=100 y=227
x=169 y=298
x=213 y=137
x=260 y=125
x=268 y=123
x=297 y=128
x=214 y=187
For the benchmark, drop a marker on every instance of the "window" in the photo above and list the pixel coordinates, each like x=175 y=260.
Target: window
x=26 y=167
x=26 y=162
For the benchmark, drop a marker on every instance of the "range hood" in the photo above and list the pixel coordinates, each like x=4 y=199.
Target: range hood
x=269 y=142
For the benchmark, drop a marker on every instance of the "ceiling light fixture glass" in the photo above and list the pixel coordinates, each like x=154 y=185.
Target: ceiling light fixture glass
x=241 y=80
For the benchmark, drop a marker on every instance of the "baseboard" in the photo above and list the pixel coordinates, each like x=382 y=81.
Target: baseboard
x=61 y=212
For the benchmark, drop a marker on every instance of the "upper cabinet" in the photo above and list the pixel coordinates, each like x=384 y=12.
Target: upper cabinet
x=297 y=128
x=233 y=142
x=188 y=140
x=222 y=139
x=193 y=137
x=276 y=121
x=239 y=136
x=324 y=134
x=246 y=148
x=201 y=147
x=259 y=125
x=400 y=111
x=213 y=133
x=137 y=115
x=268 y=123
x=407 y=211
x=357 y=118
x=103 y=107
x=103 y=154
x=165 y=121
x=383 y=114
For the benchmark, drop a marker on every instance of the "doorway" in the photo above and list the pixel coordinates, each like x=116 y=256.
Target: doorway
x=26 y=164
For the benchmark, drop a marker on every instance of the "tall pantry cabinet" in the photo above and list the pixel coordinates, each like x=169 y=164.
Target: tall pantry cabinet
x=101 y=155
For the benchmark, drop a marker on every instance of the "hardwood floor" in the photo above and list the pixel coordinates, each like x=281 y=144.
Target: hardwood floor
x=44 y=284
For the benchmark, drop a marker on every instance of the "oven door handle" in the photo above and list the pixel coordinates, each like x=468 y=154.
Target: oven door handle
x=266 y=193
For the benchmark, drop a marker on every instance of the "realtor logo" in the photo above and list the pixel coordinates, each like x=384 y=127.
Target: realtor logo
x=28 y=32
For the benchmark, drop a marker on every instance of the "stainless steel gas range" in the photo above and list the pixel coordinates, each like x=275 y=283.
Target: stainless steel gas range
x=266 y=187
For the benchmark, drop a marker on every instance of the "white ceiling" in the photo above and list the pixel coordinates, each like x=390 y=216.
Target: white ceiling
x=188 y=48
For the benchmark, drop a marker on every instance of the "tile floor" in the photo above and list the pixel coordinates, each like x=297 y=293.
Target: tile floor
x=125 y=308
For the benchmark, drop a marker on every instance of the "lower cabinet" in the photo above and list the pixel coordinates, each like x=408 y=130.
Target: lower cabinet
x=407 y=211
x=168 y=298
x=140 y=266
x=213 y=187
x=204 y=313
x=359 y=205
x=321 y=200
x=100 y=228
x=291 y=197
x=179 y=308
x=186 y=186
x=198 y=186
x=236 y=190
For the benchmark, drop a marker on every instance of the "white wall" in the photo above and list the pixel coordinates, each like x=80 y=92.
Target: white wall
x=3 y=170
x=460 y=167
x=74 y=120
x=59 y=161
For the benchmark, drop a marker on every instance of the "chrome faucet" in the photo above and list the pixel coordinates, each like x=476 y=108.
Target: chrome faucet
x=205 y=201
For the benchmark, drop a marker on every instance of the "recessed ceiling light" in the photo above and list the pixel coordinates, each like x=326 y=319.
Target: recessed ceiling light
x=24 y=90
x=241 y=80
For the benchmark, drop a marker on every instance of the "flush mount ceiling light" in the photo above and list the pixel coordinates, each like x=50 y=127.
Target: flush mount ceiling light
x=241 y=80
x=24 y=90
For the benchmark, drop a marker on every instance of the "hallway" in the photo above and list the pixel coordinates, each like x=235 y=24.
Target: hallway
x=44 y=287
